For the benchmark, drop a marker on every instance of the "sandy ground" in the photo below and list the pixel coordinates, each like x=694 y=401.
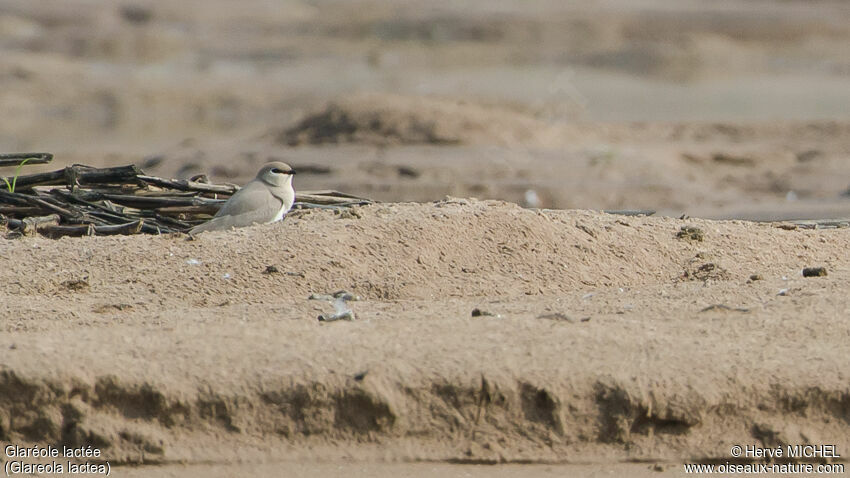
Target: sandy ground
x=611 y=339
x=608 y=344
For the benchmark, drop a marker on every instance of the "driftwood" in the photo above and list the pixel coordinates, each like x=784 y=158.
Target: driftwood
x=180 y=210
x=15 y=159
x=19 y=211
x=819 y=224
x=129 y=228
x=80 y=200
x=184 y=185
x=80 y=175
x=29 y=225
x=328 y=200
x=630 y=212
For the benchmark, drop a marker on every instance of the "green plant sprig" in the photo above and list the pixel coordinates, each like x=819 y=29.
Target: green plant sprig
x=11 y=186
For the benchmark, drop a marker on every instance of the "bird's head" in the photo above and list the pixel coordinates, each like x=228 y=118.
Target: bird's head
x=276 y=174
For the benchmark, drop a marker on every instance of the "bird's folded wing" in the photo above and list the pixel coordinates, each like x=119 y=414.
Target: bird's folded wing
x=253 y=204
x=255 y=196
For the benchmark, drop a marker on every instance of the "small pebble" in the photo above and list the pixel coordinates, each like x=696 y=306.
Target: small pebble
x=754 y=278
x=476 y=312
x=814 y=272
x=690 y=233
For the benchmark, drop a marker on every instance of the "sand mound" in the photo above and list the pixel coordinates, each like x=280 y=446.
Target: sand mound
x=391 y=119
x=598 y=338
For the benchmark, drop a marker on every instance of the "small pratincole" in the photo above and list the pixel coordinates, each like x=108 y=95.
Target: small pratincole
x=264 y=200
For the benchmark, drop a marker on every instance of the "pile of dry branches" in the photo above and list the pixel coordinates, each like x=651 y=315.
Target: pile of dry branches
x=81 y=200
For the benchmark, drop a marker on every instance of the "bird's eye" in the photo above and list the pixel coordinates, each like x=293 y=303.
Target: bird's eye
x=277 y=171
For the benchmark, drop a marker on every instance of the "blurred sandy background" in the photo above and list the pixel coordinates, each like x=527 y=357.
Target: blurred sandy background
x=719 y=109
